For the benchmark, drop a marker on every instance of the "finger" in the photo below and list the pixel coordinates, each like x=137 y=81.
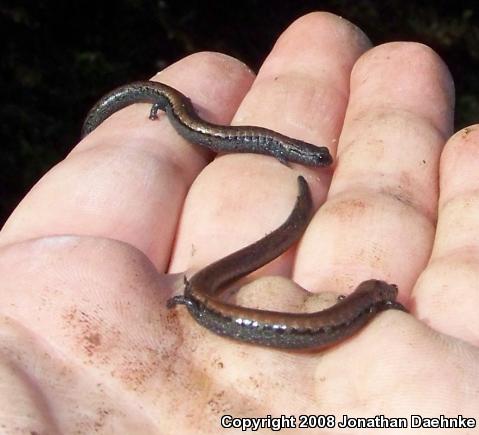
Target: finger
x=447 y=294
x=301 y=91
x=128 y=179
x=379 y=219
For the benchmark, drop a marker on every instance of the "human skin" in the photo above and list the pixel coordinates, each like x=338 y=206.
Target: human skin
x=87 y=344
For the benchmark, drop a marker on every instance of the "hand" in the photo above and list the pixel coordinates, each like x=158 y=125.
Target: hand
x=87 y=342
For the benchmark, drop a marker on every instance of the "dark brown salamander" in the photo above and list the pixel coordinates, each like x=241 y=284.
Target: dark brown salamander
x=267 y=328
x=219 y=138
x=271 y=328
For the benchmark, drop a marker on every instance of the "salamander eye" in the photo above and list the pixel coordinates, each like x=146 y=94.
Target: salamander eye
x=390 y=291
x=324 y=159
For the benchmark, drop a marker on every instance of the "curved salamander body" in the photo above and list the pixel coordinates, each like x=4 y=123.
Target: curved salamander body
x=271 y=328
x=201 y=295
x=183 y=117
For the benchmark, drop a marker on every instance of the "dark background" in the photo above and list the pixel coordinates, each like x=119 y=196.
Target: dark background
x=58 y=57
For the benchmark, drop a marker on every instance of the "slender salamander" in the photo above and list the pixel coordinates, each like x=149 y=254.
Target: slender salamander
x=219 y=138
x=262 y=327
x=271 y=328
